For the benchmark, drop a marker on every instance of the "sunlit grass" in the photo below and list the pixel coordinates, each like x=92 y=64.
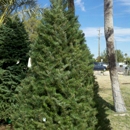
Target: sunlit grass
x=118 y=121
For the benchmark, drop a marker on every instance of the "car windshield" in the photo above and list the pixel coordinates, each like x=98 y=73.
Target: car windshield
x=98 y=63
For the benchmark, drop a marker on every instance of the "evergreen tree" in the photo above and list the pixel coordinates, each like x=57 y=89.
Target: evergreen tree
x=31 y=27
x=60 y=92
x=14 y=46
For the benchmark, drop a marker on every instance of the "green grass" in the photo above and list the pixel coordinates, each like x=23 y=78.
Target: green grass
x=117 y=121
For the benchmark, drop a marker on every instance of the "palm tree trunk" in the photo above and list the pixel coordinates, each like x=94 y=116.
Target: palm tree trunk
x=5 y=11
x=109 y=35
x=71 y=6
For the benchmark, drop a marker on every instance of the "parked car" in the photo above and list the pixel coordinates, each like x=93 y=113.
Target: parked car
x=121 y=64
x=99 y=66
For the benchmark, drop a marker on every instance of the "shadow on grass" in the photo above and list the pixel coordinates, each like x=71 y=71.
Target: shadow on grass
x=103 y=121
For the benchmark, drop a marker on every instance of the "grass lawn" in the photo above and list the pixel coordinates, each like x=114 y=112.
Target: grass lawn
x=118 y=121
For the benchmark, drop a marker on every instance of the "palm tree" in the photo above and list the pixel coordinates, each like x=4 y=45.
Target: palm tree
x=71 y=6
x=9 y=6
x=109 y=35
x=4 y=9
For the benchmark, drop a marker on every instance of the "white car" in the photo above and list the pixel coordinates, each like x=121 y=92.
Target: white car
x=121 y=64
x=104 y=64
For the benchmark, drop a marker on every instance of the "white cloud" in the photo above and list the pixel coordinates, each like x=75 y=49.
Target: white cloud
x=92 y=31
x=122 y=31
x=121 y=34
x=80 y=3
x=125 y=2
x=122 y=39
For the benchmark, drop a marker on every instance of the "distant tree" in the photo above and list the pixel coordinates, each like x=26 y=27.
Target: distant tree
x=109 y=35
x=127 y=60
x=118 y=54
x=126 y=56
x=31 y=27
x=60 y=92
x=31 y=18
x=104 y=56
x=31 y=21
x=99 y=58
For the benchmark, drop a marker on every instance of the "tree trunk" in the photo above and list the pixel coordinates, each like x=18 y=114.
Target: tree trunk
x=71 y=6
x=109 y=35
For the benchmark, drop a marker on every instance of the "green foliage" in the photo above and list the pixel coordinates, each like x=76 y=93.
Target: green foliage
x=14 y=43
x=99 y=59
x=119 y=56
x=104 y=56
x=9 y=79
x=31 y=27
x=13 y=47
x=127 y=60
x=60 y=91
x=118 y=53
x=32 y=20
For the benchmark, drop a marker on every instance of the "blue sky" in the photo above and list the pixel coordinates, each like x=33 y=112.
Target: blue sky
x=91 y=18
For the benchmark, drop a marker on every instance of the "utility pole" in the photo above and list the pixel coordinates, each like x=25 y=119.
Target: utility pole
x=99 y=34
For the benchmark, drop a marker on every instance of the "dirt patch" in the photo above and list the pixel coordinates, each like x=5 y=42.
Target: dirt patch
x=2 y=128
x=5 y=127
